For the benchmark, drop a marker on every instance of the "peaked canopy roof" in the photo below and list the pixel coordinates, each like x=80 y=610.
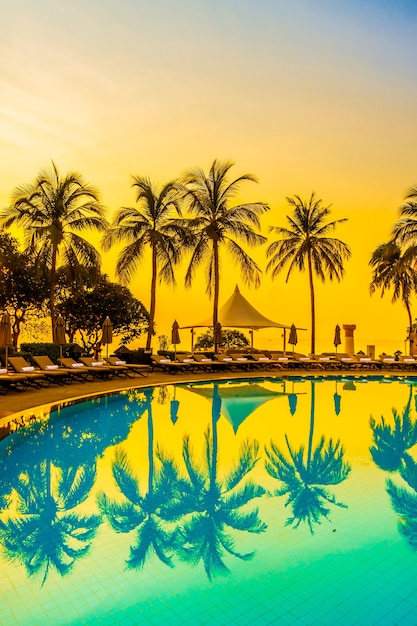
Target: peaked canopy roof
x=237 y=312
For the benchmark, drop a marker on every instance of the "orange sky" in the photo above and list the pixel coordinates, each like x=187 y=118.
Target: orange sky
x=310 y=96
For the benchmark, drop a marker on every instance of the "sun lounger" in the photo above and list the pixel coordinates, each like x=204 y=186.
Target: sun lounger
x=98 y=368
x=35 y=378
x=132 y=368
x=210 y=365
x=265 y=362
x=94 y=372
x=167 y=365
x=389 y=362
x=408 y=362
x=46 y=365
x=18 y=382
x=244 y=362
x=306 y=362
x=118 y=370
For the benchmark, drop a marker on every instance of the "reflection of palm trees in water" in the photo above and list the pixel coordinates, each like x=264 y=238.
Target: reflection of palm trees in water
x=210 y=505
x=142 y=511
x=46 y=532
x=305 y=473
x=390 y=452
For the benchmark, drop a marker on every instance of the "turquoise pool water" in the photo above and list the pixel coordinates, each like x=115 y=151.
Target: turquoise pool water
x=239 y=502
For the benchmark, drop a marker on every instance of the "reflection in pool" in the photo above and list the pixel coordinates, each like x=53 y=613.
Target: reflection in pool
x=244 y=501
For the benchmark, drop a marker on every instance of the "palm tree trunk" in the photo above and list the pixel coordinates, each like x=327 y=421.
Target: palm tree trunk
x=410 y=326
x=216 y=288
x=52 y=287
x=312 y=414
x=153 y=299
x=150 y=442
x=312 y=304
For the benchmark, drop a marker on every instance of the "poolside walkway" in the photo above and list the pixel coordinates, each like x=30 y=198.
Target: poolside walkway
x=15 y=404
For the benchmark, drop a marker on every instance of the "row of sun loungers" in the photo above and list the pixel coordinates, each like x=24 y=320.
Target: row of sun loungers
x=44 y=373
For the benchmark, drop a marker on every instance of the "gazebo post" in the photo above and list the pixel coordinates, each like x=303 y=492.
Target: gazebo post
x=285 y=341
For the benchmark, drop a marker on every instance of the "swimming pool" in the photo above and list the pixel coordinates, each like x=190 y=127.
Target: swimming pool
x=236 y=502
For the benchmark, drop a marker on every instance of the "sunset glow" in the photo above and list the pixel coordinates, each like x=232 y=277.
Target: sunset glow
x=306 y=95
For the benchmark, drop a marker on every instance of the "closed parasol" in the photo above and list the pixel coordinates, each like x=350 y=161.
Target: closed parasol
x=107 y=334
x=59 y=334
x=293 y=339
x=175 y=337
x=5 y=333
x=337 y=341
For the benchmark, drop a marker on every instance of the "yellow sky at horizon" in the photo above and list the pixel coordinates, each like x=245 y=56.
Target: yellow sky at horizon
x=307 y=97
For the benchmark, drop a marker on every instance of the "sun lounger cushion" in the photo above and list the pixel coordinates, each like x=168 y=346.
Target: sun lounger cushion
x=263 y=358
x=165 y=361
x=188 y=360
x=77 y=365
x=120 y=362
x=241 y=358
x=28 y=368
x=51 y=367
x=97 y=363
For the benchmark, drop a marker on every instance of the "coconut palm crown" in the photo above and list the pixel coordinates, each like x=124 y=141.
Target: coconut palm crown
x=52 y=211
x=306 y=244
x=150 y=224
x=394 y=269
x=215 y=224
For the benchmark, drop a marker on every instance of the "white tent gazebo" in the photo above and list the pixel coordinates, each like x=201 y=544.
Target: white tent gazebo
x=237 y=312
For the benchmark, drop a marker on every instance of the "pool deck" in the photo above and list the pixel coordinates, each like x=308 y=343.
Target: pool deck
x=16 y=404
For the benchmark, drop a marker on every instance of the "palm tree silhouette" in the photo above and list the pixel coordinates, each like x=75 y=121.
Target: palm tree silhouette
x=209 y=505
x=394 y=269
x=52 y=211
x=304 y=474
x=391 y=443
x=216 y=224
x=46 y=531
x=390 y=451
x=141 y=511
x=150 y=224
x=306 y=243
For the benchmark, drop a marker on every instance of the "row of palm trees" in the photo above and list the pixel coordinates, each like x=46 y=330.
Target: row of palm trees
x=394 y=262
x=195 y=214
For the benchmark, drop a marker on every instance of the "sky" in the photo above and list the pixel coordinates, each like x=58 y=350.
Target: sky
x=306 y=95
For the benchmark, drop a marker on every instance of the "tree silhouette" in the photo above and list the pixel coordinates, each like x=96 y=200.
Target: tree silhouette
x=304 y=473
x=209 y=506
x=46 y=531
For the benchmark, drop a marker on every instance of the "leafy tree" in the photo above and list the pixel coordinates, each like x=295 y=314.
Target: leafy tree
x=52 y=211
x=230 y=339
x=305 y=243
x=85 y=311
x=215 y=225
x=394 y=269
x=23 y=290
x=149 y=225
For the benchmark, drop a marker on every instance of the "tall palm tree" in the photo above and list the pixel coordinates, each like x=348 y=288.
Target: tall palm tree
x=52 y=211
x=210 y=505
x=150 y=224
x=305 y=474
x=394 y=269
x=215 y=224
x=306 y=243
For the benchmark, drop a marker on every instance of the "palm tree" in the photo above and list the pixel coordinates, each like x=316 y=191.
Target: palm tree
x=52 y=211
x=215 y=224
x=305 y=473
x=141 y=506
x=306 y=243
x=151 y=225
x=210 y=505
x=46 y=531
x=394 y=269
x=405 y=229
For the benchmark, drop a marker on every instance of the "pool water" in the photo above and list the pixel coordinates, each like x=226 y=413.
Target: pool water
x=264 y=501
